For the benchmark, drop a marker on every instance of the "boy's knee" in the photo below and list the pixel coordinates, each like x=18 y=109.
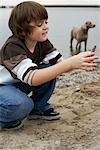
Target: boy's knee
x=25 y=107
x=17 y=110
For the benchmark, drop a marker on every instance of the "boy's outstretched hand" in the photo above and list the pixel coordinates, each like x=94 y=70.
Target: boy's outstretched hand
x=84 y=60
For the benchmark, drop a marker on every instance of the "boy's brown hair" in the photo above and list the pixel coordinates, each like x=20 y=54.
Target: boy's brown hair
x=23 y=14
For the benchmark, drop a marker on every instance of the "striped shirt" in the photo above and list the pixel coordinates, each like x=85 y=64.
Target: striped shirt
x=17 y=63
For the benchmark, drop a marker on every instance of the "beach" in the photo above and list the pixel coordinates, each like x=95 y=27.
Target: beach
x=77 y=98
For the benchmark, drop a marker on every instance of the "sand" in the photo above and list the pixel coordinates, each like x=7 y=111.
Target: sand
x=77 y=98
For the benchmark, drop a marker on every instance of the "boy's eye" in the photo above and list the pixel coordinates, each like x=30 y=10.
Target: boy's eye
x=41 y=23
x=46 y=22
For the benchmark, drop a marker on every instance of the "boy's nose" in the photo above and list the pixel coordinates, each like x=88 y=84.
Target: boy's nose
x=45 y=27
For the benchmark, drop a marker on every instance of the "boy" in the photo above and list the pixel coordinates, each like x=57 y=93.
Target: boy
x=30 y=63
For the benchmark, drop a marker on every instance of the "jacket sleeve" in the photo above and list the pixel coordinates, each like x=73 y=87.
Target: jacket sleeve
x=52 y=55
x=18 y=64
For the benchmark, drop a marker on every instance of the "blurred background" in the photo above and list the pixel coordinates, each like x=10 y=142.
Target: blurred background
x=63 y=16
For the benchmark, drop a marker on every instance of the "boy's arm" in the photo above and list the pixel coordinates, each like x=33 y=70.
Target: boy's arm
x=83 y=60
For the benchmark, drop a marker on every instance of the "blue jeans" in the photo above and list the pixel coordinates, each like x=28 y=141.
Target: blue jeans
x=15 y=104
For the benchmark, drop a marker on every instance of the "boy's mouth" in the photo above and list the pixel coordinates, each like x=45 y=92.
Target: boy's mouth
x=45 y=33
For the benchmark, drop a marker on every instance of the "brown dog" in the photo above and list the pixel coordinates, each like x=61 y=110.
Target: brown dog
x=81 y=35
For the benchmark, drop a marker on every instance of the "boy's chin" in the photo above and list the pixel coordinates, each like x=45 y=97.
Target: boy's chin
x=43 y=39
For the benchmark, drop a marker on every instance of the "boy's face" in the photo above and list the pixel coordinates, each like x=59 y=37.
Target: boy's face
x=39 y=32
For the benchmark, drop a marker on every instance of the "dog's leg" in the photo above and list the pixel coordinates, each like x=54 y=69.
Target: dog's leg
x=71 y=42
x=85 y=44
x=79 y=47
x=71 y=47
x=76 y=48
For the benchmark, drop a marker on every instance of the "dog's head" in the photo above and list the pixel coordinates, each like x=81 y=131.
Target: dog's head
x=88 y=25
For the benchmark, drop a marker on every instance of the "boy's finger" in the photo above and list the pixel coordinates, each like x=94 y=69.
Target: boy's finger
x=89 y=59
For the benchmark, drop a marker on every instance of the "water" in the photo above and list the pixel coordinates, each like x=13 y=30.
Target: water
x=61 y=20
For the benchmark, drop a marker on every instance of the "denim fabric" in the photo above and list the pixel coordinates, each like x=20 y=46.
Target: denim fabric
x=15 y=104
x=41 y=95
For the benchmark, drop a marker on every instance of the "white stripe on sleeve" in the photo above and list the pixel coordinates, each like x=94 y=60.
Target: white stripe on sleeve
x=50 y=56
x=22 y=67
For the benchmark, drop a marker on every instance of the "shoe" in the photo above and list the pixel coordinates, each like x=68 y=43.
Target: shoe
x=14 y=126
x=49 y=115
